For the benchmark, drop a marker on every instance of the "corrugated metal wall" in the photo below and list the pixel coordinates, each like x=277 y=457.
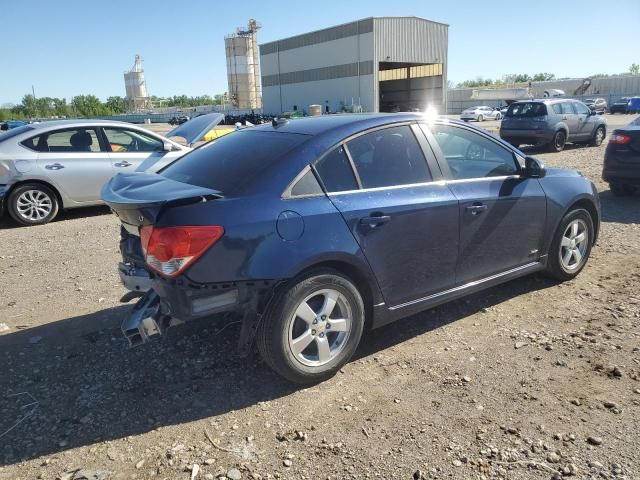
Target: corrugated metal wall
x=410 y=40
x=610 y=88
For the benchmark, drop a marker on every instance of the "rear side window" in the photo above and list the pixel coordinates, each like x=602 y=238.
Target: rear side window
x=234 y=161
x=388 y=157
x=567 y=108
x=335 y=172
x=73 y=140
x=307 y=185
x=527 y=109
x=557 y=108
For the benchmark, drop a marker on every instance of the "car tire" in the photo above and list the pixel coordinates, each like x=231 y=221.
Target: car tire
x=480 y=118
x=598 y=136
x=295 y=318
x=499 y=116
x=558 y=142
x=566 y=259
x=622 y=189
x=33 y=204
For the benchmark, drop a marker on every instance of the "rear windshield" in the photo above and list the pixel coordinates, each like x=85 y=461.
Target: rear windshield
x=233 y=161
x=528 y=109
x=6 y=135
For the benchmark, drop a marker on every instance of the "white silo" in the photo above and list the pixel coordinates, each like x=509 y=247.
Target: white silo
x=136 y=87
x=243 y=67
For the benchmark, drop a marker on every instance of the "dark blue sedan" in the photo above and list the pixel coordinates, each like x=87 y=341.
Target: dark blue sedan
x=312 y=230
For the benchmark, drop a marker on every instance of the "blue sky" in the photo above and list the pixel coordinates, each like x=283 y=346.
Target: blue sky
x=71 y=47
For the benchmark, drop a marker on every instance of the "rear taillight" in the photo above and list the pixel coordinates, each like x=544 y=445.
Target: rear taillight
x=619 y=139
x=169 y=250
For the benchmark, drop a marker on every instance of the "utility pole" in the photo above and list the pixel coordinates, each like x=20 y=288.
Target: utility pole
x=35 y=105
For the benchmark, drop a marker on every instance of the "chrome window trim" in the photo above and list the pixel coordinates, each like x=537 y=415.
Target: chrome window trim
x=356 y=174
x=392 y=187
x=465 y=286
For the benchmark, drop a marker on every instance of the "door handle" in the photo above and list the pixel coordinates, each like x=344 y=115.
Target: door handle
x=54 y=166
x=122 y=164
x=375 y=220
x=476 y=209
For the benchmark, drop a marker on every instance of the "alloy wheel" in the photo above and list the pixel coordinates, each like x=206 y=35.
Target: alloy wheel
x=34 y=205
x=574 y=244
x=320 y=327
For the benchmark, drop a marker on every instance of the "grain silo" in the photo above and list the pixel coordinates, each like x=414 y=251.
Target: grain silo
x=136 y=87
x=243 y=67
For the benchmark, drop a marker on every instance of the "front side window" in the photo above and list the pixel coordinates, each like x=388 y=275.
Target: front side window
x=335 y=171
x=389 y=157
x=128 y=141
x=470 y=155
x=72 y=140
x=582 y=109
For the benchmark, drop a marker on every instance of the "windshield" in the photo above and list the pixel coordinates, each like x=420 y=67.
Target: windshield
x=528 y=109
x=14 y=132
x=232 y=162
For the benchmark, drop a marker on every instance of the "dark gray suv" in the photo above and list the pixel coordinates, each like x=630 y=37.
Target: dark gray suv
x=552 y=123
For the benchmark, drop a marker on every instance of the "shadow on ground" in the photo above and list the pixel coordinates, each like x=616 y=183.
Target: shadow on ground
x=91 y=388
x=7 y=222
x=620 y=209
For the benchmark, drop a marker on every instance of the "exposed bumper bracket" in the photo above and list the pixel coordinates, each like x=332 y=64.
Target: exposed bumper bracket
x=141 y=323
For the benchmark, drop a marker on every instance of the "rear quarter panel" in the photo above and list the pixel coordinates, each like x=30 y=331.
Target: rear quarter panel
x=269 y=238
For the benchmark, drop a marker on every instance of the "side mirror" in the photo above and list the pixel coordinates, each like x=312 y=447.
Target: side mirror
x=167 y=147
x=533 y=168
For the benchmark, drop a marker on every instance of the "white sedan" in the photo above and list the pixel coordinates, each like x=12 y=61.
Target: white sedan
x=480 y=114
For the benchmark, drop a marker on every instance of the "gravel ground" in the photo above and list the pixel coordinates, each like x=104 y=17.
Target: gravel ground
x=529 y=380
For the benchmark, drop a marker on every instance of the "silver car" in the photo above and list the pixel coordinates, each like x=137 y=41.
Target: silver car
x=63 y=164
x=480 y=114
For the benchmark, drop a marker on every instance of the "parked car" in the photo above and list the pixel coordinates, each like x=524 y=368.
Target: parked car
x=56 y=165
x=599 y=105
x=552 y=123
x=480 y=114
x=178 y=120
x=317 y=228
x=634 y=105
x=621 y=169
x=9 y=124
x=620 y=106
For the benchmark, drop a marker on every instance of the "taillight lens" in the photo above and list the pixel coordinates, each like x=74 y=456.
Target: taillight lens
x=169 y=250
x=619 y=139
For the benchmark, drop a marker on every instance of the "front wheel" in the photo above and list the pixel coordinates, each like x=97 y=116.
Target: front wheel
x=313 y=327
x=480 y=118
x=571 y=245
x=33 y=204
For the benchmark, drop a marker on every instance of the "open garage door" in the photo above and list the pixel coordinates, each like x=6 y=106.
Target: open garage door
x=409 y=87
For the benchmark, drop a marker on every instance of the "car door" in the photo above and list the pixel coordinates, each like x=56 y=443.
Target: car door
x=502 y=215
x=75 y=162
x=128 y=148
x=586 y=121
x=570 y=119
x=402 y=215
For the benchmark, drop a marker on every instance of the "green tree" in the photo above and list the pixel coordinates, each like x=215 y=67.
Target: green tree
x=88 y=106
x=634 y=69
x=116 y=104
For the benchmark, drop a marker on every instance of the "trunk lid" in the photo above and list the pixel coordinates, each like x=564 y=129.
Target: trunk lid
x=196 y=128
x=138 y=198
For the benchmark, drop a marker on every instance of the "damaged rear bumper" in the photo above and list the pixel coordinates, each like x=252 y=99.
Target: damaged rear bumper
x=169 y=303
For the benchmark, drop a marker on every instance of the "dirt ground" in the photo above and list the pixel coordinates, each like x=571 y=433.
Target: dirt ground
x=528 y=380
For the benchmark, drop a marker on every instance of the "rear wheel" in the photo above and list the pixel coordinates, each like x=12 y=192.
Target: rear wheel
x=558 y=142
x=571 y=245
x=480 y=118
x=622 y=189
x=598 y=137
x=33 y=204
x=313 y=327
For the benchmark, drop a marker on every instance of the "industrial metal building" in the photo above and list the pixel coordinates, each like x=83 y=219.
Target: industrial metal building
x=374 y=64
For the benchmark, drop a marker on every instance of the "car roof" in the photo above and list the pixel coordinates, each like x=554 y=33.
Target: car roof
x=327 y=123
x=52 y=124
